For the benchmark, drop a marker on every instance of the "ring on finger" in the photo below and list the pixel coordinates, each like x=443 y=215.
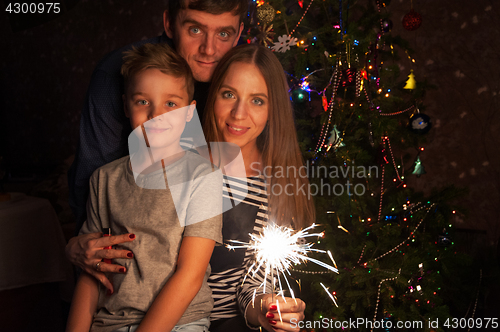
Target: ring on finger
x=97 y=267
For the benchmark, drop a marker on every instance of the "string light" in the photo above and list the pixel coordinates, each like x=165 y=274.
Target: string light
x=324 y=130
x=300 y=21
x=407 y=239
x=392 y=156
x=378 y=295
x=362 y=253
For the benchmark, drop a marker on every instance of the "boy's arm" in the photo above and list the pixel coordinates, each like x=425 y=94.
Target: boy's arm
x=181 y=288
x=83 y=305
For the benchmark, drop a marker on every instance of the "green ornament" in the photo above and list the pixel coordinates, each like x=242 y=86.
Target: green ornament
x=419 y=168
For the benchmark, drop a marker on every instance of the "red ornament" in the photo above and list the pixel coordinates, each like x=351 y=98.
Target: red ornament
x=412 y=20
x=324 y=101
x=348 y=77
x=364 y=74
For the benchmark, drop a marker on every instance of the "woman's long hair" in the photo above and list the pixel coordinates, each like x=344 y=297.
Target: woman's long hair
x=278 y=141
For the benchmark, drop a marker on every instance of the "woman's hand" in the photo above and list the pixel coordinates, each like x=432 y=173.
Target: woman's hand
x=290 y=313
x=86 y=250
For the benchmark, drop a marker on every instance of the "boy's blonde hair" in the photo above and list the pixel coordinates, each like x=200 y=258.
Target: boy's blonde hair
x=157 y=56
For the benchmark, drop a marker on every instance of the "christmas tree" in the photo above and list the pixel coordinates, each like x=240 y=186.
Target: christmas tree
x=362 y=130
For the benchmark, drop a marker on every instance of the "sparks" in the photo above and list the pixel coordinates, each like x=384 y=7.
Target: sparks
x=333 y=297
x=277 y=248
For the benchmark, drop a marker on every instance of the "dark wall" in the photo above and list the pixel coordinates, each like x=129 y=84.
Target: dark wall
x=456 y=49
x=45 y=71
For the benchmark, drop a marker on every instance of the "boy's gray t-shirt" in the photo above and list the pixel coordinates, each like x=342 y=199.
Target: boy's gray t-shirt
x=116 y=201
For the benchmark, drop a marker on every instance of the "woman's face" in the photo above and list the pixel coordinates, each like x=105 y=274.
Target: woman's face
x=242 y=105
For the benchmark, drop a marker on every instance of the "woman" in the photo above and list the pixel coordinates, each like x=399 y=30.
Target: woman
x=249 y=106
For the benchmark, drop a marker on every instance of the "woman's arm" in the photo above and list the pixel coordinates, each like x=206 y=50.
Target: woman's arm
x=263 y=310
x=181 y=288
x=83 y=305
x=87 y=249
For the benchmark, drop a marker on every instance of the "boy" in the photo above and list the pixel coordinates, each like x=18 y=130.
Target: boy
x=166 y=282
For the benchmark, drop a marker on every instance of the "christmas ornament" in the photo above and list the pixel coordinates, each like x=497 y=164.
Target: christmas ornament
x=386 y=25
x=420 y=123
x=283 y=44
x=335 y=140
x=265 y=13
x=299 y=96
x=444 y=238
x=324 y=102
x=265 y=35
x=419 y=168
x=410 y=83
x=348 y=82
x=348 y=77
x=412 y=20
x=364 y=74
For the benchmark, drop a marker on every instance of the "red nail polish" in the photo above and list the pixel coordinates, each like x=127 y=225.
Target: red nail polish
x=269 y=315
x=107 y=232
x=122 y=270
x=273 y=307
x=272 y=322
x=132 y=236
x=109 y=292
x=130 y=255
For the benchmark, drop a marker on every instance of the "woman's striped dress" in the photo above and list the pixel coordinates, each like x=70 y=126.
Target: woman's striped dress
x=231 y=297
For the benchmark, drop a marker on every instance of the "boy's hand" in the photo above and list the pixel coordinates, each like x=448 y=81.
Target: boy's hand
x=86 y=250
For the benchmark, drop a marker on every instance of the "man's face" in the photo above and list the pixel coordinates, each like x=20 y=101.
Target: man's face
x=202 y=39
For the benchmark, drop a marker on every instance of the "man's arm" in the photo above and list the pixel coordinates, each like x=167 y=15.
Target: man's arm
x=102 y=140
x=181 y=288
x=103 y=134
x=83 y=305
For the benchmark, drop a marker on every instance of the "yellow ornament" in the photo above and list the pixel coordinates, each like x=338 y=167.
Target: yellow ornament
x=411 y=83
x=265 y=13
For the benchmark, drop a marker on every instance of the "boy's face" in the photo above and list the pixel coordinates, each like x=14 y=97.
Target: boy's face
x=202 y=39
x=157 y=102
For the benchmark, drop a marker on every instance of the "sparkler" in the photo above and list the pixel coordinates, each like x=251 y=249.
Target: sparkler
x=277 y=248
